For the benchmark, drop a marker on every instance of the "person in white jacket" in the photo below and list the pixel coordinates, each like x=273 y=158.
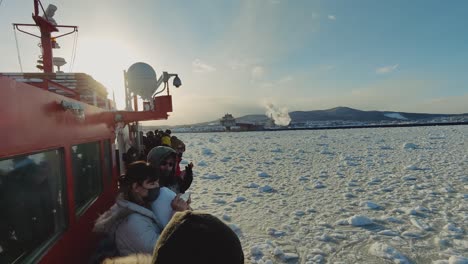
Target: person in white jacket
x=130 y=222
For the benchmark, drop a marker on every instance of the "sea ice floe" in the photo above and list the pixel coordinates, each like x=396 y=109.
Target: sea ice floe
x=453 y=229
x=266 y=188
x=350 y=163
x=413 y=211
x=273 y=232
x=211 y=177
x=303 y=178
x=412 y=234
x=409 y=178
x=252 y=185
x=352 y=183
x=437 y=137
x=319 y=185
x=239 y=199
x=441 y=242
x=256 y=250
x=325 y=238
x=263 y=175
x=375 y=181
x=412 y=167
x=392 y=219
x=226 y=217
x=202 y=164
x=299 y=213
x=219 y=201
x=447 y=189
x=213 y=140
x=410 y=146
x=462 y=243
x=317 y=251
x=235 y=228
x=360 y=220
x=326 y=151
x=289 y=257
x=207 y=152
x=385 y=251
x=420 y=224
x=440 y=261
x=388 y=233
x=278 y=251
x=225 y=159
x=371 y=205
x=458 y=260
x=265 y=261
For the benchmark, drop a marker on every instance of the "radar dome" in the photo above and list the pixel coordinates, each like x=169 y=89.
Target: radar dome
x=142 y=80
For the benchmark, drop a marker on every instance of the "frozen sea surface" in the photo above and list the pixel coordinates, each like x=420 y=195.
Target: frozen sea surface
x=386 y=195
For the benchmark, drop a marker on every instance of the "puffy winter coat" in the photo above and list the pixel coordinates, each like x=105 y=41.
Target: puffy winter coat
x=134 y=227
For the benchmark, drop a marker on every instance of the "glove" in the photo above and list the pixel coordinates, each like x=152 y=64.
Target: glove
x=188 y=178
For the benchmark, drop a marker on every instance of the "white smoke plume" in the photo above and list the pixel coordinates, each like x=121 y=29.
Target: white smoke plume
x=279 y=115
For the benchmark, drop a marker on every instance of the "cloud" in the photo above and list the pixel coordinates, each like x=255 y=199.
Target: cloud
x=258 y=72
x=201 y=67
x=331 y=17
x=386 y=69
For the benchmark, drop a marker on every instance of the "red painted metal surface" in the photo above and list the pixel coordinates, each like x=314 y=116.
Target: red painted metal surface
x=33 y=120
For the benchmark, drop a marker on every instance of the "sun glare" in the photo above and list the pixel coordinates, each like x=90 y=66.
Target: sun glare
x=105 y=59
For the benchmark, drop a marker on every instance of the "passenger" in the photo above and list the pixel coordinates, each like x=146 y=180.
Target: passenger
x=129 y=222
x=130 y=156
x=179 y=146
x=157 y=138
x=143 y=138
x=201 y=237
x=192 y=237
x=164 y=159
x=166 y=138
x=150 y=141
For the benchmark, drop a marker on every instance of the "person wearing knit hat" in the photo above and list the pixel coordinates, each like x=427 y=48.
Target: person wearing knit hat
x=194 y=237
x=164 y=158
x=130 y=225
x=186 y=176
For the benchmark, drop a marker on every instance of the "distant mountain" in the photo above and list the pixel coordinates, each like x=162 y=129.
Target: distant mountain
x=350 y=114
x=339 y=113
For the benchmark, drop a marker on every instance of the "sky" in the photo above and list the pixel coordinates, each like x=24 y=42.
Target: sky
x=241 y=56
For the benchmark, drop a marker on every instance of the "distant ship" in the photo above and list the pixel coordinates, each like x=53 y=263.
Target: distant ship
x=228 y=121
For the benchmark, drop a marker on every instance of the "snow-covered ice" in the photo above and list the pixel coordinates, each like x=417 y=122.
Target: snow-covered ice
x=383 y=195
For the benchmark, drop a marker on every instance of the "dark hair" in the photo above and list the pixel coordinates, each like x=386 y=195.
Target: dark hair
x=138 y=172
x=192 y=237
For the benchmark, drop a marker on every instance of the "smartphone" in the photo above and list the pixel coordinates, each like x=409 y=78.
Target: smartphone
x=185 y=196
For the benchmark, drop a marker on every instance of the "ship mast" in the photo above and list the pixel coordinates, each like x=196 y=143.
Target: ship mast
x=46 y=25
